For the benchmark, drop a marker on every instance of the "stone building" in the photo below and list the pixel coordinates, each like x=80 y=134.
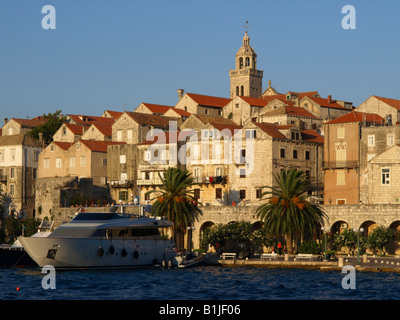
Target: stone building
x=379 y=164
x=20 y=126
x=69 y=132
x=202 y=104
x=387 y=108
x=19 y=156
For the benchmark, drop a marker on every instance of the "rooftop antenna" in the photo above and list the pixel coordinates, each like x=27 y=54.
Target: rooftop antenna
x=125 y=105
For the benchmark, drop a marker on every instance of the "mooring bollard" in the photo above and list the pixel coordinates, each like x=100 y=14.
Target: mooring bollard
x=365 y=258
x=340 y=262
x=286 y=257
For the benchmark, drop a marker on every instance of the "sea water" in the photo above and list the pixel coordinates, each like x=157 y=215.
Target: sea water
x=198 y=283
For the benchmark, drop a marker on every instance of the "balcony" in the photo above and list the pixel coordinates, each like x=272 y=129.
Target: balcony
x=211 y=180
x=121 y=184
x=340 y=164
x=3 y=178
x=149 y=182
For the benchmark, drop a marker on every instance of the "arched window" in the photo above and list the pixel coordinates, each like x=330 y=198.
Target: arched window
x=240 y=63
x=237 y=90
x=247 y=62
x=242 y=91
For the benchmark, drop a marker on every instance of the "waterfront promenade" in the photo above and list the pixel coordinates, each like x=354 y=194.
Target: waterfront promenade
x=366 y=263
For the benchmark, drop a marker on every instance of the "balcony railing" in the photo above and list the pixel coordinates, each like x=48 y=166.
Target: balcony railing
x=149 y=182
x=121 y=184
x=340 y=164
x=206 y=179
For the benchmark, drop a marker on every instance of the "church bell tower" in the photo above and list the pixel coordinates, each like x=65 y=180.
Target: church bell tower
x=246 y=80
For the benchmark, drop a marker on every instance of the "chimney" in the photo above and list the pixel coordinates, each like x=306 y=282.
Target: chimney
x=329 y=99
x=5 y=120
x=180 y=93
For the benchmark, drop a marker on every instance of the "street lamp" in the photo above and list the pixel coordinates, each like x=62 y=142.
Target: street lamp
x=323 y=228
x=358 y=244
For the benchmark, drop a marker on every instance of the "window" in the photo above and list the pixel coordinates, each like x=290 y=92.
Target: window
x=12 y=154
x=218 y=193
x=147 y=155
x=294 y=154
x=242 y=194
x=122 y=159
x=340 y=157
x=34 y=173
x=308 y=175
x=12 y=173
x=12 y=189
x=282 y=153
x=103 y=180
x=242 y=155
x=196 y=194
x=258 y=193
x=46 y=163
x=130 y=134
x=220 y=113
x=52 y=148
x=123 y=195
x=251 y=134
x=72 y=162
x=340 y=178
x=371 y=140
x=58 y=163
x=242 y=173
x=64 y=131
x=385 y=176
x=219 y=171
x=119 y=135
x=206 y=111
x=340 y=132
x=35 y=155
x=390 y=139
x=146 y=175
x=307 y=155
x=104 y=162
x=237 y=104
x=83 y=161
x=78 y=146
x=341 y=201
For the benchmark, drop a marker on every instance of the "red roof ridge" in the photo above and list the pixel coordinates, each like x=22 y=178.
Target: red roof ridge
x=206 y=100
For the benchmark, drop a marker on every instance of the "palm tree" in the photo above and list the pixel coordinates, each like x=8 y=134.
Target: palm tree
x=174 y=200
x=287 y=211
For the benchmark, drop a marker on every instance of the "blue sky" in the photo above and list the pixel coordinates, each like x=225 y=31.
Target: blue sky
x=107 y=54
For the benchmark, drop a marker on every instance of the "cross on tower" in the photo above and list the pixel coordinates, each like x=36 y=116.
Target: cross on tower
x=246 y=26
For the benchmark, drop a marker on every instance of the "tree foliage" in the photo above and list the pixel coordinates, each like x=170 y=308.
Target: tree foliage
x=53 y=121
x=287 y=211
x=174 y=199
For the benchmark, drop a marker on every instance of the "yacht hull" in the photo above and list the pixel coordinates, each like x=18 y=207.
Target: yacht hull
x=69 y=253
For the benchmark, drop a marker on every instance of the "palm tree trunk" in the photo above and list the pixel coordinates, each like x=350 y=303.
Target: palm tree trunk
x=289 y=243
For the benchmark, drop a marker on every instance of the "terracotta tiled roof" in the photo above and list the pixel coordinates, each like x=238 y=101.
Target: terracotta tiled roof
x=392 y=102
x=76 y=129
x=88 y=120
x=30 y=123
x=311 y=136
x=271 y=129
x=356 y=116
x=258 y=102
x=231 y=127
x=63 y=145
x=151 y=119
x=104 y=129
x=157 y=108
x=211 y=101
x=325 y=103
x=114 y=114
x=289 y=110
x=99 y=146
x=181 y=112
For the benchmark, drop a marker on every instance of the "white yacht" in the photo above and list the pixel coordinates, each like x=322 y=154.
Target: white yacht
x=103 y=240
